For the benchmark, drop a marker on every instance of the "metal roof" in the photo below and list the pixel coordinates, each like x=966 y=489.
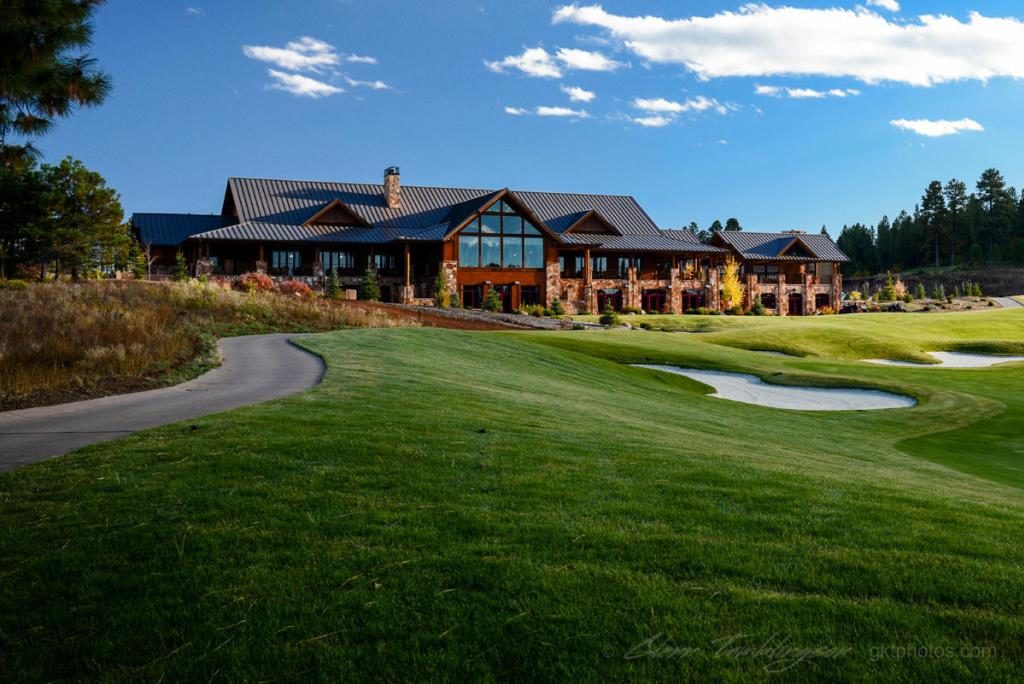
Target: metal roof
x=287 y=232
x=173 y=229
x=639 y=243
x=769 y=246
x=293 y=202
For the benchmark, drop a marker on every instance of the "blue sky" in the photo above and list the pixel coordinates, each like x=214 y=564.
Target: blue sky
x=700 y=109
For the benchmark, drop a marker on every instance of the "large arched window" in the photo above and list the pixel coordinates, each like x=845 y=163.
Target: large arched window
x=501 y=238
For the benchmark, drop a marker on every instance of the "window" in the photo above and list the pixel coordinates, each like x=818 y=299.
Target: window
x=529 y=295
x=384 y=262
x=599 y=267
x=342 y=261
x=654 y=300
x=570 y=265
x=766 y=271
x=627 y=262
x=500 y=238
x=472 y=296
x=285 y=262
x=692 y=299
x=663 y=268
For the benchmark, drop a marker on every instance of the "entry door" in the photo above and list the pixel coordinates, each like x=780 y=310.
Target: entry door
x=796 y=304
x=505 y=295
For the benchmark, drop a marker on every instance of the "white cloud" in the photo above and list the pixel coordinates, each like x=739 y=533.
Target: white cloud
x=195 y=11
x=804 y=93
x=559 y=112
x=653 y=121
x=540 y=63
x=586 y=60
x=372 y=85
x=696 y=104
x=937 y=128
x=304 y=54
x=302 y=85
x=890 y=5
x=562 y=111
x=759 y=40
x=360 y=59
x=577 y=94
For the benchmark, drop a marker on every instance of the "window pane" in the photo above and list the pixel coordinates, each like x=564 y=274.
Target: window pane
x=529 y=229
x=490 y=256
x=512 y=225
x=490 y=224
x=503 y=208
x=469 y=254
x=513 y=253
x=533 y=252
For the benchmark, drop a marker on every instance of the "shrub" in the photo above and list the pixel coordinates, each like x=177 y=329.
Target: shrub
x=296 y=288
x=888 y=292
x=532 y=310
x=949 y=298
x=492 y=302
x=919 y=292
x=758 y=307
x=180 y=267
x=556 y=307
x=646 y=326
x=826 y=311
x=734 y=311
x=578 y=326
x=939 y=292
x=976 y=290
x=442 y=297
x=900 y=289
x=332 y=290
x=856 y=296
x=254 y=282
x=369 y=289
x=609 y=317
x=732 y=288
x=630 y=310
x=13 y=284
x=454 y=301
x=907 y=298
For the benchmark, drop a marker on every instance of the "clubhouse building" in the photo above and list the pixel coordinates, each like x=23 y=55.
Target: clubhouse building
x=588 y=251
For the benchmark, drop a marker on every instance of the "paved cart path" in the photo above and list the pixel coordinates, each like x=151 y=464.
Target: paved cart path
x=255 y=368
x=1006 y=302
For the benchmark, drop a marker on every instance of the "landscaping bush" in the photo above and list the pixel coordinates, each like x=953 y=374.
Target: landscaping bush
x=919 y=292
x=646 y=326
x=532 y=310
x=332 y=290
x=492 y=302
x=826 y=311
x=609 y=317
x=631 y=310
x=758 y=307
x=556 y=307
x=888 y=292
x=180 y=267
x=454 y=301
x=442 y=297
x=578 y=326
x=370 y=289
x=296 y=288
x=254 y=282
x=13 y=284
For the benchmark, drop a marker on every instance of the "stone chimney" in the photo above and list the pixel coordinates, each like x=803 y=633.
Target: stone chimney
x=392 y=188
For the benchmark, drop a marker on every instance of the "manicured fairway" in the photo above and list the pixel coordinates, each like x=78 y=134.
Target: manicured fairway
x=453 y=505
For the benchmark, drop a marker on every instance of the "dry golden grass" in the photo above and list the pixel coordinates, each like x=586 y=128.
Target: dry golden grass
x=63 y=341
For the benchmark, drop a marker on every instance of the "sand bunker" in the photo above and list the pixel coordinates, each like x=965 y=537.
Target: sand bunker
x=750 y=389
x=953 y=360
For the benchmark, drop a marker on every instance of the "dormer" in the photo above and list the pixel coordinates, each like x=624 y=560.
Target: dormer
x=336 y=213
x=592 y=223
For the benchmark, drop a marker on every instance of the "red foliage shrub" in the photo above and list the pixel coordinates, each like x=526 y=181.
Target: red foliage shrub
x=255 y=282
x=295 y=287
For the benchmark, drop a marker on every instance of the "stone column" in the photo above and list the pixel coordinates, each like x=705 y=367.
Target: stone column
x=750 y=295
x=675 y=292
x=450 y=269
x=808 y=294
x=552 y=282
x=780 y=294
x=714 y=295
x=837 y=287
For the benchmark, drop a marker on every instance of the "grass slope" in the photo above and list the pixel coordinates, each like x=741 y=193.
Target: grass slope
x=523 y=506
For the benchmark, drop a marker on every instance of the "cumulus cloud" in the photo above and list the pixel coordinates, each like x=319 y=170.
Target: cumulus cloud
x=804 y=93
x=310 y=55
x=937 y=128
x=577 y=94
x=304 y=54
x=890 y=5
x=562 y=112
x=540 y=63
x=759 y=41
x=661 y=112
x=303 y=86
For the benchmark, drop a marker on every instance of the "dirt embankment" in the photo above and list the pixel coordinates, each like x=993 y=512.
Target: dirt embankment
x=997 y=281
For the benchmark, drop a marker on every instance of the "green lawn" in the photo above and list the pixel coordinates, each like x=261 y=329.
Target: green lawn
x=452 y=505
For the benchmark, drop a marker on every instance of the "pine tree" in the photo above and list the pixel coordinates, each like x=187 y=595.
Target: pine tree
x=492 y=302
x=888 y=293
x=933 y=216
x=180 y=267
x=956 y=205
x=44 y=76
x=370 y=289
x=442 y=298
x=556 y=307
x=733 y=224
x=919 y=292
x=332 y=290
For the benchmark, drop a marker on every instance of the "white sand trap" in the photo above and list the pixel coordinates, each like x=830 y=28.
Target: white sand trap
x=953 y=360
x=750 y=389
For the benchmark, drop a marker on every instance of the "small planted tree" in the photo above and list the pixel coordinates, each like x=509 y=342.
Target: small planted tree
x=888 y=292
x=758 y=307
x=976 y=290
x=556 y=307
x=370 y=288
x=332 y=290
x=180 y=267
x=919 y=292
x=492 y=302
x=608 y=316
x=454 y=301
x=732 y=288
x=939 y=292
x=442 y=297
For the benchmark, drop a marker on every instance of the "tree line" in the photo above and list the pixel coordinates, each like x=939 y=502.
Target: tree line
x=948 y=227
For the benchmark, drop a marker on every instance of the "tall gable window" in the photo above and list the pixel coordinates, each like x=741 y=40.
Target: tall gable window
x=501 y=238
